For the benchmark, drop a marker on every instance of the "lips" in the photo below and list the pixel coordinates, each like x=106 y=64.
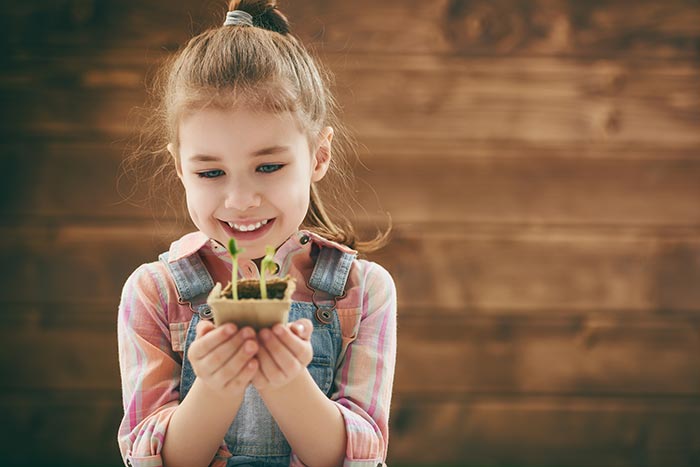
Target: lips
x=247 y=227
x=247 y=230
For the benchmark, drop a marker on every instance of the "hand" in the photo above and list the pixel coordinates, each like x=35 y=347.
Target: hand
x=284 y=353
x=224 y=357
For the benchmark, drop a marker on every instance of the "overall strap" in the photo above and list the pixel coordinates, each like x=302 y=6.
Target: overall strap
x=331 y=271
x=193 y=282
x=330 y=274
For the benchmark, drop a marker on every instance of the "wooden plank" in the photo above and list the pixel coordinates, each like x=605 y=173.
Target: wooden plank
x=528 y=99
x=38 y=264
x=448 y=149
x=540 y=355
x=487 y=431
x=563 y=191
x=75 y=181
x=59 y=428
x=545 y=432
x=532 y=100
x=486 y=271
x=508 y=27
x=58 y=355
x=475 y=184
x=73 y=347
x=543 y=270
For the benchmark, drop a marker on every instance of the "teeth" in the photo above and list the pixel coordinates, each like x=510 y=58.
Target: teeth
x=248 y=227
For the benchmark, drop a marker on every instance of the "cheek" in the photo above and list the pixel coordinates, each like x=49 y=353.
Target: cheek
x=198 y=199
x=292 y=193
x=192 y=207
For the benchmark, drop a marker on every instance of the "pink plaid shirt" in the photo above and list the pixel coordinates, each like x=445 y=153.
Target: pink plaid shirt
x=152 y=327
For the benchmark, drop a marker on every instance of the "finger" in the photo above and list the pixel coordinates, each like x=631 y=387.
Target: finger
x=302 y=328
x=210 y=339
x=220 y=355
x=259 y=379
x=245 y=375
x=284 y=358
x=290 y=339
x=237 y=369
x=203 y=327
x=268 y=366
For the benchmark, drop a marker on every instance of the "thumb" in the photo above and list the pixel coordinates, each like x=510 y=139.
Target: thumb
x=303 y=328
x=204 y=327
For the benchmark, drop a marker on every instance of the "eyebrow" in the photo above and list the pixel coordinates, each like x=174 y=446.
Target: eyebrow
x=260 y=152
x=270 y=150
x=204 y=158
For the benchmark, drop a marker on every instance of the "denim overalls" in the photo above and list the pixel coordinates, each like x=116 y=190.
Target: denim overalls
x=254 y=437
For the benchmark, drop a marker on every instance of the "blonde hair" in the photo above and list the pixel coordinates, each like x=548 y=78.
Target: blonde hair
x=262 y=67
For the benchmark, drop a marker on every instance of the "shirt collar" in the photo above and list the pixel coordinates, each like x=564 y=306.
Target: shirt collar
x=319 y=240
x=186 y=246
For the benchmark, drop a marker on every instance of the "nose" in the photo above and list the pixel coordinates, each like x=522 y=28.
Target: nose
x=241 y=196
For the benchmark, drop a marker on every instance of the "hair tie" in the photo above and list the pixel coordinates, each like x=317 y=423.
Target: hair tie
x=238 y=18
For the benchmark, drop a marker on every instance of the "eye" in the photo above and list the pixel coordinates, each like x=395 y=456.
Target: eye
x=269 y=168
x=210 y=173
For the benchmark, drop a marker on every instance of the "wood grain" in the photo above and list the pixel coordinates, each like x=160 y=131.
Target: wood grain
x=545 y=100
x=524 y=269
x=546 y=432
x=468 y=182
x=594 y=356
x=540 y=160
x=441 y=354
x=540 y=431
x=60 y=428
x=505 y=27
x=530 y=189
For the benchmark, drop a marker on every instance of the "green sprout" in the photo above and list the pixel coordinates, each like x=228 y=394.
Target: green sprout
x=267 y=265
x=234 y=252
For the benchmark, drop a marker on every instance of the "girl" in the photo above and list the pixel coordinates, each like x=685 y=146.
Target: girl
x=245 y=113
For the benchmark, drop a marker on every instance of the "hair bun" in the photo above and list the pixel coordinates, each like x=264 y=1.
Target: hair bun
x=264 y=12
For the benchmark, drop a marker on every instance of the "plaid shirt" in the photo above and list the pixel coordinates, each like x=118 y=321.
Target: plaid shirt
x=152 y=327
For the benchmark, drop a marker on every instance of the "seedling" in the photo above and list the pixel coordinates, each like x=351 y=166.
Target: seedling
x=259 y=303
x=234 y=252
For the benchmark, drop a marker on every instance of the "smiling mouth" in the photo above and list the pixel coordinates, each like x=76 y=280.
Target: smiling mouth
x=247 y=227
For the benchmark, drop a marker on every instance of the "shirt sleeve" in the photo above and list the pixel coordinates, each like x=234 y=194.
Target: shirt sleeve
x=150 y=370
x=365 y=377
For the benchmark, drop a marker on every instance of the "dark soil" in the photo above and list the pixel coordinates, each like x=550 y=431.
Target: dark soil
x=251 y=289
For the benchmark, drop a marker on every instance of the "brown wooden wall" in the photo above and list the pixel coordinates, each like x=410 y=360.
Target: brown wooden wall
x=540 y=159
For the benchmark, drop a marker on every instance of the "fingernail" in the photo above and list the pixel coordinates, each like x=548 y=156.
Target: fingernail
x=249 y=347
x=300 y=328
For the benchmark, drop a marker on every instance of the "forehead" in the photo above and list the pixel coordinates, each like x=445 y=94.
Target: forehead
x=215 y=130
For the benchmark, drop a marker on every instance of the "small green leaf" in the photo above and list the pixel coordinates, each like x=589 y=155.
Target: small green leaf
x=268 y=262
x=233 y=248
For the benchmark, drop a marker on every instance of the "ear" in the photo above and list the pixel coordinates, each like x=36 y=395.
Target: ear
x=322 y=158
x=176 y=159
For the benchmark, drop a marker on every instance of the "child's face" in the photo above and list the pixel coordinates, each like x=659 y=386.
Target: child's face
x=248 y=175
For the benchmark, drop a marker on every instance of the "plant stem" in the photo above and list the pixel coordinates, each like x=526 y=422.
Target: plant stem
x=263 y=286
x=234 y=252
x=266 y=265
x=234 y=279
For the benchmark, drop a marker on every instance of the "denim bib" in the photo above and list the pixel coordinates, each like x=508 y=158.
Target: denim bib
x=254 y=438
